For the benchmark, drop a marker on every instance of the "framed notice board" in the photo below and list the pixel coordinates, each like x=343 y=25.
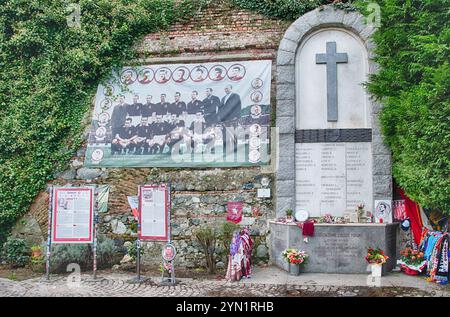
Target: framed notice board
x=154 y=213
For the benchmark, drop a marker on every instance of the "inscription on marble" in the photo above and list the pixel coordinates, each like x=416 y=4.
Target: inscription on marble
x=339 y=248
x=333 y=177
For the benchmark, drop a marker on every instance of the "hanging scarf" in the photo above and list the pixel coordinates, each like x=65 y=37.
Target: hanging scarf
x=247 y=244
x=442 y=267
x=235 y=243
x=399 y=210
x=234 y=270
x=413 y=212
x=433 y=262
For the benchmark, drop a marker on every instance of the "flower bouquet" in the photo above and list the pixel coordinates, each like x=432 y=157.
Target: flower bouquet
x=295 y=258
x=412 y=261
x=376 y=258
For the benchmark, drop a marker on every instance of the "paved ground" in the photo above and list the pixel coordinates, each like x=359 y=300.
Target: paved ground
x=267 y=282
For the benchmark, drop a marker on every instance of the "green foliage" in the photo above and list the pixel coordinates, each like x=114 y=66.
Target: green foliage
x=15 y=252
x=108 y=253
x=206 y=236
x=132 y=250
x=289 y=212
x=226 y=234
x=413 y=85
x=63 y=254
x=281 y=9
x=37 y=264
x=50 y=72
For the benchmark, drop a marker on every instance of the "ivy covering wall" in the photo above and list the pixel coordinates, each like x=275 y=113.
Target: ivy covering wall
x=412 y=48
x=49 y=74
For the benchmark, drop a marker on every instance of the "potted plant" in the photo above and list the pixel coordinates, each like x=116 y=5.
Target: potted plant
x=296 y=260
x=376 y=258
x=412 y=261
x=289 y=215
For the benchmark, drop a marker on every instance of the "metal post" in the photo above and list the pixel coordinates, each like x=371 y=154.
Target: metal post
x=49 y=232
x=170 y=230
x=94 y=246
x=138 y=241
x=138 y=259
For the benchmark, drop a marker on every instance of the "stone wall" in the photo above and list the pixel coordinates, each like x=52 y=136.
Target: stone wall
x=200 y=196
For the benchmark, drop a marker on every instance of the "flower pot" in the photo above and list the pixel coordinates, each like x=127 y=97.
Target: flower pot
x=377 y=269
x=294 y=269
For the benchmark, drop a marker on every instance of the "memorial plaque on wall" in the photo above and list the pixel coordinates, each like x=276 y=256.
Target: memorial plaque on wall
x=72 y=217
x=333 y=177
x=153 y=213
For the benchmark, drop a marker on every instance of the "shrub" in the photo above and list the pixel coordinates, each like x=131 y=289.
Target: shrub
x=15 y=252
x=226 y=234
x=37 y=264
x=412 y=48
x=64 y=254
x=132 y=250
x=81 y=254
x=108 y=253
x=206 y=236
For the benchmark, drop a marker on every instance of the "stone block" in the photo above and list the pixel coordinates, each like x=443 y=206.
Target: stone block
x=350 y=18
x=382 y=186
x=288 y=45
x=382 y=165
x=286 y=125
x=286 y=145
x=329 y=16
x=285 y=58
x=284 y=203
x=88 y=173
x=118 y=227
x=67 y=174
x=286 y=188
x=261 y=251
x=285 y=108
x=286 y=168
x=285 y=74
x=378 y=145
x=286 y=91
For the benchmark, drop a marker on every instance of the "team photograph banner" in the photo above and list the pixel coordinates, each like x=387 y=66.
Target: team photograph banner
x=188 y=115
x=73 y=215
x=153 y=213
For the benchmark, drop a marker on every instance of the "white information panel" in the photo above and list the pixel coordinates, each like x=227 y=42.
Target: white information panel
x=73 y=215
x=153 y=213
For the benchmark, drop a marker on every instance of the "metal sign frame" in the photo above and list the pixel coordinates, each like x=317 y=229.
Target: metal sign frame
x=56 y=207
x=166 y=189
x=51 y=230
x=168 y=232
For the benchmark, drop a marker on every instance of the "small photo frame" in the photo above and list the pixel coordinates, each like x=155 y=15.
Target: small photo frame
x=383 y=211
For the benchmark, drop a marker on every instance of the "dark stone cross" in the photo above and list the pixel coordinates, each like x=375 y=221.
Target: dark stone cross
x=331 y=58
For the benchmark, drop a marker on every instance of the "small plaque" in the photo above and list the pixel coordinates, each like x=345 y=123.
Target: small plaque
x=263 y=193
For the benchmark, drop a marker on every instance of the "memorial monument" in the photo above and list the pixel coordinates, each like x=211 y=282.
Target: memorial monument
x=330 y=137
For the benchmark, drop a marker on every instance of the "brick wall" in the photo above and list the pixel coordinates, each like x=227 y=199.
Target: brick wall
x=219 y=28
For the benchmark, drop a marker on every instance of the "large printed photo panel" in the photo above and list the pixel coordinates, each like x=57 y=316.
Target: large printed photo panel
x=192 y=115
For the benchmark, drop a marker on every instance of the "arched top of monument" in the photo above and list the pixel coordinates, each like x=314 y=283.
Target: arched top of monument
x=322 y=18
